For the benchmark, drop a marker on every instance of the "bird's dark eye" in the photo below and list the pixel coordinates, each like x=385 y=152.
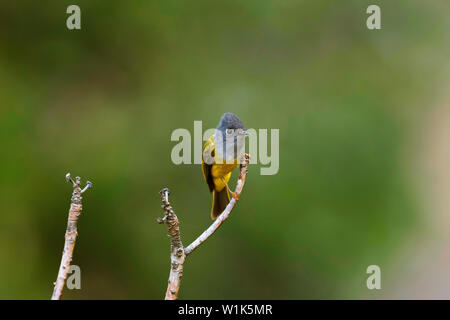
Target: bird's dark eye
x=229 y=132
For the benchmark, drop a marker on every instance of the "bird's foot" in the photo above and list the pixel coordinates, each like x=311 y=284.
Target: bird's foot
x=245 y=157
x=235 y=195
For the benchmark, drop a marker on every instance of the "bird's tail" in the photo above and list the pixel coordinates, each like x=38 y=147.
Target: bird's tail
x=220 y=202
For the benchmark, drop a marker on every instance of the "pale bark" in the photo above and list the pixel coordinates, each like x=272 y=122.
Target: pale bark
x=71 y=235
x=178 y=253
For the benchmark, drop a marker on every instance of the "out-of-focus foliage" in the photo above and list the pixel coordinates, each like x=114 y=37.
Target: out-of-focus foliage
x=102 y=102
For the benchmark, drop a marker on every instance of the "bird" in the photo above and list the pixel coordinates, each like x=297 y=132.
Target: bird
x=220 y=156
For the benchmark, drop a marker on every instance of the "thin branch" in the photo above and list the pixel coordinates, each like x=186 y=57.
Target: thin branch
x=71 y=234
x=224 y=215
x=178 y=253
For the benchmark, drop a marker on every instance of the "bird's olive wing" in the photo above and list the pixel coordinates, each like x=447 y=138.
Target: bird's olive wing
x=207 y=162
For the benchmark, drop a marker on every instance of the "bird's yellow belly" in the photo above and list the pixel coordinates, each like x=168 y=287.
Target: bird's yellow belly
x=219 y=171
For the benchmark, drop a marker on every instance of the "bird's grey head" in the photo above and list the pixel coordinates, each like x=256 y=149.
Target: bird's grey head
x=233 y=133
x=231 y=122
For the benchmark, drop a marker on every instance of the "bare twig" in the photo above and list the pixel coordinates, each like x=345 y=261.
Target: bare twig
x=178 y=254
x=71 y=234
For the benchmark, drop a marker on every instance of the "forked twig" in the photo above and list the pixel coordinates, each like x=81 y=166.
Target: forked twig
x=71 y=234
x=178 y=253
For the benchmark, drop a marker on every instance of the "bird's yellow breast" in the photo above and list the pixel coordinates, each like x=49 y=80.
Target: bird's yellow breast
x=219 y=172
x=219 y=168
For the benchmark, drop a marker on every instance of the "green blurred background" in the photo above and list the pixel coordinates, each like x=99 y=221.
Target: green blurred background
x=353 y=107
